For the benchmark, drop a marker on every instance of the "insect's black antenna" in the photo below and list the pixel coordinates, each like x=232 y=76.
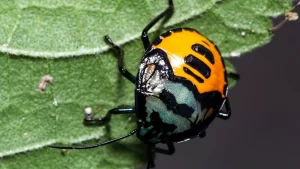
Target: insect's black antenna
x=95 y=145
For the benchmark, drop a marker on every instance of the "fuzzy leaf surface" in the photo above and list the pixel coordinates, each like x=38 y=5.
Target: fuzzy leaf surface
x=47 y=33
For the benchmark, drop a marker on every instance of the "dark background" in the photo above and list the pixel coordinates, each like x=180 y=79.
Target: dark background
x=263 y=131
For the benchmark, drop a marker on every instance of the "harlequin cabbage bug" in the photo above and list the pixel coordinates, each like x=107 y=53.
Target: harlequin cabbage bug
x=181 y=86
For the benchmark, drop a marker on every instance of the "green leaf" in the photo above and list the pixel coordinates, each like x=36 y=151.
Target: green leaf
x=113 y=156
x=230 y=69
x=31 y=120
x=64 y=28
x=39 y=31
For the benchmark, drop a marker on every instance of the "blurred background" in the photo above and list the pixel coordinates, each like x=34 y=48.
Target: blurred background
x=264 y=129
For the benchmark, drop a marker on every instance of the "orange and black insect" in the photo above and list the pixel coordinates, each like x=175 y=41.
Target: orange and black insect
x=181 y=86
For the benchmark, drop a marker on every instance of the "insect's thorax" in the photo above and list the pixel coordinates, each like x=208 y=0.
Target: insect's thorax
x=194 y=57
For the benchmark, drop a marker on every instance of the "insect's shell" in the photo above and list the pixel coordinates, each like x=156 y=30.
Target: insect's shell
x=181 y=86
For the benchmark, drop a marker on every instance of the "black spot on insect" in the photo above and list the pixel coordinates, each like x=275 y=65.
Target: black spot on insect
x=159 y=125
x=169 y=99
x=166 y=34
x=171 y=103
x=184 y=110
x=198 y=64
x=157 y=41
x=189 y=29
x=188 y=71
x=205 y=43
x=177 y=30
x=202 y=50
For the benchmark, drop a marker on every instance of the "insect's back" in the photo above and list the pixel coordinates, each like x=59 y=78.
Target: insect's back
x=181 y=85
x=195 y=58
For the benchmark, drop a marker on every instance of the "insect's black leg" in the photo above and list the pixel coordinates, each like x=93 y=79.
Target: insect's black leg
x=144 y=35
x=169 y=151
x=151 y=160
x=225 y=114
x=122 y=70
x=233 y=76
x=95 y=145
x=152 y=149
x=202 y=134
x=89 y=120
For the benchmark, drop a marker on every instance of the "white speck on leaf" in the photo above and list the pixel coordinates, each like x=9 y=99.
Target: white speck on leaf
x=54 y=102
x=43 y=83
x=82 y=48
x=88 y=110
x=235 y=54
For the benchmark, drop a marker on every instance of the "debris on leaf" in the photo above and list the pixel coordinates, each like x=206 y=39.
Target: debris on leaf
x=44 y=82
x=88 y=110
x=235 y=54
x=54 y=102
x=291 y=16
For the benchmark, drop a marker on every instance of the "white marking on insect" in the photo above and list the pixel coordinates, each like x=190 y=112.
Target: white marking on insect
x=176 y=60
